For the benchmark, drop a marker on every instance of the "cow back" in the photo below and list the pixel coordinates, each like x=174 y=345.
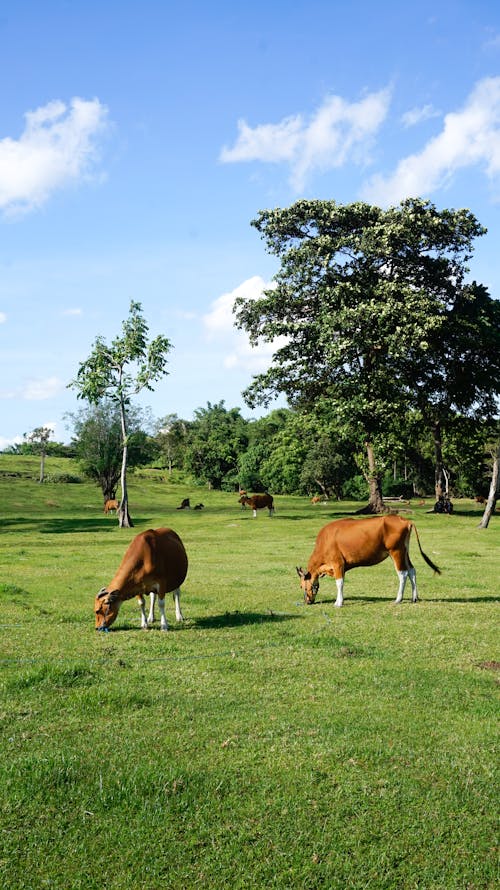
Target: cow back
x=156 y=556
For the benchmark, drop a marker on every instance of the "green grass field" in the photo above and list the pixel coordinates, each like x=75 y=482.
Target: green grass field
x=262 y=744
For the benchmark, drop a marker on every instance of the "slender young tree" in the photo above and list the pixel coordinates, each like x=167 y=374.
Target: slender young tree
x=494 y=491
x=119 y=371
x=359 y=295
x=39 y=438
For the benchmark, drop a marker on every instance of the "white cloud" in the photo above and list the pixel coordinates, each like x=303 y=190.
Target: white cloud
x=337 y=133
x=470 y=137
x=220 y=320
x=6 y=442
x=72 y=312
x=417 y=115
x=219 y=323
x=57 y=146
x=3 y=318
x=41 y=389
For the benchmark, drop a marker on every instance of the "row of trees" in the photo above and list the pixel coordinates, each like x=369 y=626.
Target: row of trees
x=382 y=351
x=283 y=452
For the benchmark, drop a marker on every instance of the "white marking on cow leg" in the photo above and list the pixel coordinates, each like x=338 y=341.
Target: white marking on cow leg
x=144 y=620
x=177 y=600
x=163 y=617
x=255 y=514
x=152 y=598
x=402 y=584
x=340 y=592
x=413 y=578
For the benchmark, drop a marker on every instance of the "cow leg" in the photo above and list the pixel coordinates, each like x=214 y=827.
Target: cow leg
x=177 y=600
x=152 y=599
x=413 y=579
x=255 y=514
x=163 y=617
x=144 y=620
x=340 y=592
x=402 y=584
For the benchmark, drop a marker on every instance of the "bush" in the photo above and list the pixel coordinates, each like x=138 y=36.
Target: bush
x=356 y=488
x=63 y=477
x=395 y=488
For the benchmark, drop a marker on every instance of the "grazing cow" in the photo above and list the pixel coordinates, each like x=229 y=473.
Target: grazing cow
x=111 y=505
x=480 y=499
x=185 y=505
x=155 y=563
x=348 y=543
x=257 y=502
x=198 y=506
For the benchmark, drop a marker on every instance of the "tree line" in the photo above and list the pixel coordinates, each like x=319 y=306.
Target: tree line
x=388 y=357
x=284 y=451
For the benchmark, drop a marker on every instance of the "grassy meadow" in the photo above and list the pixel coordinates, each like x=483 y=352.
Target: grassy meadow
x=263 y=743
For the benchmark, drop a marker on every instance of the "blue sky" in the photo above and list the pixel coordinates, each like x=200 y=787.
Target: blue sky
x=139 y=139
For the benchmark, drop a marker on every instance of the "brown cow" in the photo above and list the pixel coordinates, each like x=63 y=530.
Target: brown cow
x=111 y=505
x=348 y=543
x=257 y=502
x=155 y=562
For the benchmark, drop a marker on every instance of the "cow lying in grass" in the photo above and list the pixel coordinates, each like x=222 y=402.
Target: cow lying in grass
x=156 y=563
x=258 y=502
x=348 y=543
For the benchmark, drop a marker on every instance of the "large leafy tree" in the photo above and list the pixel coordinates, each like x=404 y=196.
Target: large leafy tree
x=359 y=297
x=98 y=443
x=262 y=436
x=170 y=441
x=120 y=370
x=216 y=438
x=462 y=381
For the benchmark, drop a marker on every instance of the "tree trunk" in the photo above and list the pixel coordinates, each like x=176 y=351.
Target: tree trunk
x=374 y=478
x=42 y=465
x=493 y=493
x=123 y=515
x=323 y=489
x=441 y=486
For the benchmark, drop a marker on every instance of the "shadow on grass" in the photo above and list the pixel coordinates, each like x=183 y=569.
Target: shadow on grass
x=70 y=526
x=59 y=526
x=210 y=622
x=237 y=619
x=422 y=599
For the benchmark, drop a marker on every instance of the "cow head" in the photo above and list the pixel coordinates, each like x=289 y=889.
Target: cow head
x=106 y=609
x=309 y=587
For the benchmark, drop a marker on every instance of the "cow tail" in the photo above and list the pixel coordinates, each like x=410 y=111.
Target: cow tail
x=429 y=562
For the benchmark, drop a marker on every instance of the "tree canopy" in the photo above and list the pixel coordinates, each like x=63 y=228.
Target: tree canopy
x=362 y=297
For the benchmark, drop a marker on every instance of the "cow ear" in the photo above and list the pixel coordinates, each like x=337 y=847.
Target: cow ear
x=102 y=593
x=300 y=571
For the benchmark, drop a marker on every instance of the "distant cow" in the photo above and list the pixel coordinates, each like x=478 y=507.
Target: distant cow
x=155 y=563
x=258 y=502
x=316 y=499
x=480 y=499
x=198 y=506
x=348 y=543
x=111 y=505
x=185 y=505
